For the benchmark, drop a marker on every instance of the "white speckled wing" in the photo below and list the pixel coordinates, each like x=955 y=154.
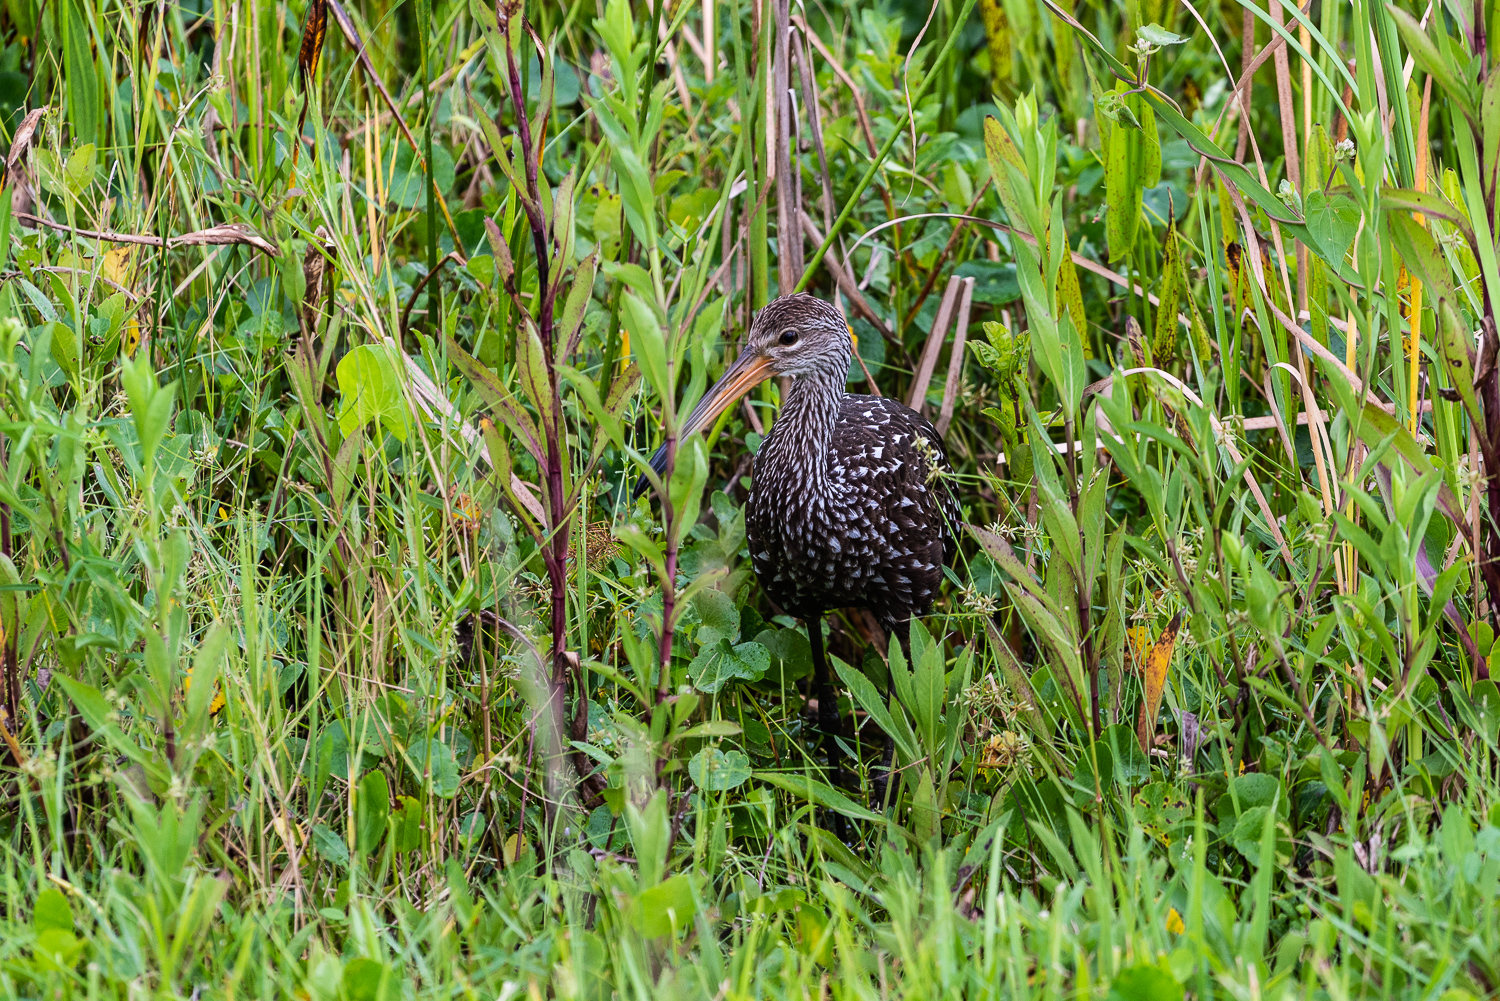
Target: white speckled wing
x=870 y=523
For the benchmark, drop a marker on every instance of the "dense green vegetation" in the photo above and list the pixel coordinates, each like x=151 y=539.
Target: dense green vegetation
x=333 y=339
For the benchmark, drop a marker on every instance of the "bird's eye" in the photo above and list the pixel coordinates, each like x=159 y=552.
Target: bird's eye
x=789 y=337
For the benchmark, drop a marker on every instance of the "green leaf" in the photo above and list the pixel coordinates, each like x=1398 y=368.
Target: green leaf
x=531 y=366
x=100 y=717
x=893 y=725
x=1143 y=982
x=1155 y=34
x=206 y=674
x=1457 y=346
x=372 y=809
x=363 y=978
x=408 y=181
x=718 y=618
x=1425 y=54
x=714 y=770
x=1421 y=254
x=433 y=764
x=406 y=824
x=150 y=406
x=57 y=950
x=330 y=845
x=668 y=905
x=370 y=390
x=647 y=343
x=819 y=793
x=717 y=665
x=52 y=911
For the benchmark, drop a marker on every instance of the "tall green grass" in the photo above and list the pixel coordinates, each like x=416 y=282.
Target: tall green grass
x=339 y=662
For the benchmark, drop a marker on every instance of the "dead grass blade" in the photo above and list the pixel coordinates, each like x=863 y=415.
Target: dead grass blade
x=956 y=358
x=934 y=346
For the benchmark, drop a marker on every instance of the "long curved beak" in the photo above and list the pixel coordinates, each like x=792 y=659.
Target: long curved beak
x=747 y=372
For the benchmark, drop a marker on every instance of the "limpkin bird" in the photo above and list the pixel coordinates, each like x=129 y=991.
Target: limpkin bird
x=848 y=506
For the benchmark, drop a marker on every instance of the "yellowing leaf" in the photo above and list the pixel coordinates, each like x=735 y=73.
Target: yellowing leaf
x=1156 y=681
x=1139 y=638
x=116 y=265
x=1174 y=922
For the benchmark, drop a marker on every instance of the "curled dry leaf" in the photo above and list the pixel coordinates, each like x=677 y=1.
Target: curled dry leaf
x=24 y=134
x=316 y=264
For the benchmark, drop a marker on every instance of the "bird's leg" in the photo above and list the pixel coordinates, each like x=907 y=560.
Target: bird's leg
x=880 y=782
x=828 y=710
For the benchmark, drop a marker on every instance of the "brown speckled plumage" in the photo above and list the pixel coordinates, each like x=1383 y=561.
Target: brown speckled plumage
x=850 y=505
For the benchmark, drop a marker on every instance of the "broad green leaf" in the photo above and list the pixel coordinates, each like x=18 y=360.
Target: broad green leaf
x=433 y=764
x=1155 y=34
x=372 y=808
x=406 y=824
x=370 y=389
x=647 y=343
x=666 y=906
x=52 y=911
x=717 y=665
x=714 y=770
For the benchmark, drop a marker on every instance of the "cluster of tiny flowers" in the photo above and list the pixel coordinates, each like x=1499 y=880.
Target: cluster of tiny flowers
x=1003 y=750
x=978 y=601
x=1023 y=531
x=931 y=457
x=1469 y=477
x=1190 y=549
x=41 y=767
x=1344 y=150
x=1153 y=603
x=1229 y=432
x=991 y=700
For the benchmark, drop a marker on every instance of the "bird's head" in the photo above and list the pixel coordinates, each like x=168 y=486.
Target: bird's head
x=798 y=335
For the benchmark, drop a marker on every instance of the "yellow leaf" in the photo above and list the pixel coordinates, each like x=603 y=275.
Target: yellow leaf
x=1139 y=638
x=130 y=339
x=117 y=265
x=1174 y=922
x=515 y=846
x=1156 y=681
x=215 y=704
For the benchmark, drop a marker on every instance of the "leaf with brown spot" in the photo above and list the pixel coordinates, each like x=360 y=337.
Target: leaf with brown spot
x=1156 y=681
